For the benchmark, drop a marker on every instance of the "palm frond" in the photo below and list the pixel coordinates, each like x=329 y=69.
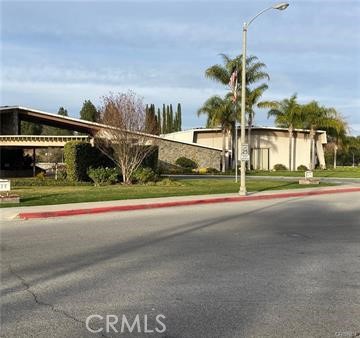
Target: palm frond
x=218 y=73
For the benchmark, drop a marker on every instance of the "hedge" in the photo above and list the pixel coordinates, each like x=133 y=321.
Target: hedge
x=79 y=157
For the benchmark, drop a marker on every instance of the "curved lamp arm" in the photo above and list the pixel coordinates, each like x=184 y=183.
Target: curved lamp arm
x=281 y=6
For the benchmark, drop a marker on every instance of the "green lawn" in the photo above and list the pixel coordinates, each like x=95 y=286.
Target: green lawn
x=343 y=172
x=42 y=195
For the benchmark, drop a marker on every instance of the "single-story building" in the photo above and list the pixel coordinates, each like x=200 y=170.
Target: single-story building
x=268 y=146
x=13 y=142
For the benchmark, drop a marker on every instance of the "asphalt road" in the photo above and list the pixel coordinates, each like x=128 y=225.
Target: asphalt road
x=276 y=268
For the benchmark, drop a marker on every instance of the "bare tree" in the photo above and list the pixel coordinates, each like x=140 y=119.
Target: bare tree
x=124 y=140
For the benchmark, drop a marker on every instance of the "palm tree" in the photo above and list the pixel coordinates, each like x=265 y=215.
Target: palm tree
x=222 y=73
x=337 y=132
x=254 y=73
x=315 y=117
x=287 y=114
x=219 y=111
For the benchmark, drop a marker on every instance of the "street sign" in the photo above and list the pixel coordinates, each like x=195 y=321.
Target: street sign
x=244 y=155
x=4 y=185
x=309 y=174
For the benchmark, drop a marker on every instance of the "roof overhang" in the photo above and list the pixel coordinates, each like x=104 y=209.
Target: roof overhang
x=54 y=120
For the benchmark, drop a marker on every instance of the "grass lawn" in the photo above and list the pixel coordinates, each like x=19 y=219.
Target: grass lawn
x=343 y=172
x=42 y=195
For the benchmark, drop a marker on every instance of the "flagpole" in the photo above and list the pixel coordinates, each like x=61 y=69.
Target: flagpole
x=236 y=133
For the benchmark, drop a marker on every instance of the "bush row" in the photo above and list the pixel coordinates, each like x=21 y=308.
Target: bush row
x=281 y=167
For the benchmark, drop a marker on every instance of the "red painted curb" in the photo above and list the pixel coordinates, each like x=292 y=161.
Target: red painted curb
x=73 y=212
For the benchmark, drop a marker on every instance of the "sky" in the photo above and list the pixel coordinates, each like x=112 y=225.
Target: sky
x=60 y=53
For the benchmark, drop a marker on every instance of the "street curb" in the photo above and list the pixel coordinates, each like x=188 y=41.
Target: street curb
x=98 y=210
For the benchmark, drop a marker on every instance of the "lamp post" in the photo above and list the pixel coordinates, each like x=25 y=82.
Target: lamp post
x=245 y=147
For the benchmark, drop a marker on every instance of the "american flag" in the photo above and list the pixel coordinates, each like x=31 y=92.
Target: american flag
x=233 y=84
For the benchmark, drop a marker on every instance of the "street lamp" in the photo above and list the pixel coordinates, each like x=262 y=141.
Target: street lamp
x=245 y=147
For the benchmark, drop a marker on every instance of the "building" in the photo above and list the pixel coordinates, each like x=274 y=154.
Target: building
x=13 y=142
x=269 y=145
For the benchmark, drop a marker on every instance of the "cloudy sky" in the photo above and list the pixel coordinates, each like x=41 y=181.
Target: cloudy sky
x=59 y=53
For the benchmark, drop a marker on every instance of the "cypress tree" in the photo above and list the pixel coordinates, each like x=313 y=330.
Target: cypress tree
x=168 y=119
x=171 y=122
x=179 y=117
x=159 y=120
x=147 y=119
x=164 y=130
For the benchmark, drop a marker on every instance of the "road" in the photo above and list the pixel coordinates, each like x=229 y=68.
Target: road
x=275 y=268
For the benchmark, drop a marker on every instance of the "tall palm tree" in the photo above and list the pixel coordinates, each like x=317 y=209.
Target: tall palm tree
x=287 y=114
x=254 y=73
x=219 y=112
x=315 y=117
x=222 y=73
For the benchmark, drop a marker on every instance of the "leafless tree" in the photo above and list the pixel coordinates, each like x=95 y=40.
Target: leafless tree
x=124 y=140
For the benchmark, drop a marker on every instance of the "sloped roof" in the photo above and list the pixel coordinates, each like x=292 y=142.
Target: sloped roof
x=39 y=116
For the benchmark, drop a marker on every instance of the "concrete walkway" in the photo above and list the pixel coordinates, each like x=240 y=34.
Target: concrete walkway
x=336 y=180
x=7 y=214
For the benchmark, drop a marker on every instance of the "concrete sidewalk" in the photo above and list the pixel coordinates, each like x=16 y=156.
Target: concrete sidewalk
x=336 y=180
x=44 y=211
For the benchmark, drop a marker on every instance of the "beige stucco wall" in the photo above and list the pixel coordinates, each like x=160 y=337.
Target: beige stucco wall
x=181 y=136
x=212 y=139
x=277 y=141
x=278 y=144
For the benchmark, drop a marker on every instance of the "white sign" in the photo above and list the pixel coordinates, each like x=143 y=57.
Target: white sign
x=244 y=155
x=4 y=185
x=309 y=174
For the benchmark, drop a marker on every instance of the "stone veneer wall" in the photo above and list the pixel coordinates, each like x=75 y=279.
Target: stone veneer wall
x=170 y=151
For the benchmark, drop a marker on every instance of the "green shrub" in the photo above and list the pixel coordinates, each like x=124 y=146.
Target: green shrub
x=144 y=175
x=31 y=182
x=79 y=157
x=103 y=176
x=279 y=166
x=62 y=173
x=178 y=171
x=40 y=176
x=187 y=163
x=302 y=167
x=212 y=171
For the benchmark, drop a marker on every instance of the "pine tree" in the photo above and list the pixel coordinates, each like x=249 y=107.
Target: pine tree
x=88 y=112
x=62 y=111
